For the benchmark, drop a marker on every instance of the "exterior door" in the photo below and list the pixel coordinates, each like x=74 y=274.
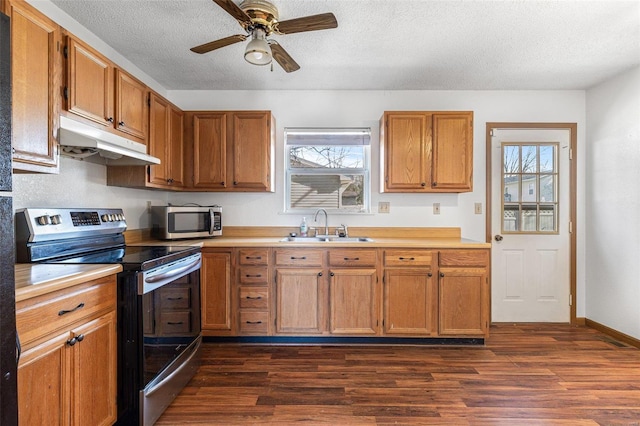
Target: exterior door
x=530 y=222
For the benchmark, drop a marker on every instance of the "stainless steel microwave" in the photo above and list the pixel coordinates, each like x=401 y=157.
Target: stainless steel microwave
x=174 y=222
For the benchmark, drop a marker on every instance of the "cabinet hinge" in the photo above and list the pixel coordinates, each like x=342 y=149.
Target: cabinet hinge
x=65 y=52
x=65 y=93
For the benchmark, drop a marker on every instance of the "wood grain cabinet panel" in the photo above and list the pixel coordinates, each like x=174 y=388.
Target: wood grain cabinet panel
x=36 y=86
x=301 y=299
x=426 y=151
x=353 y=301
x=69 y=364
x=216 y=292
x=410 y=302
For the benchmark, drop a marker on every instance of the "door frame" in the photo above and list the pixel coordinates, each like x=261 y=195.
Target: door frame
x=573 y=173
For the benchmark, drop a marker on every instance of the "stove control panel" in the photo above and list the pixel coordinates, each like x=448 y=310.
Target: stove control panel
x=46 y=224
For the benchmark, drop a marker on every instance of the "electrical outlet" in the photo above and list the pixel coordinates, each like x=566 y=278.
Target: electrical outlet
x=148 y=206
x=436 y=208
x=478 y=208
x=384 y=207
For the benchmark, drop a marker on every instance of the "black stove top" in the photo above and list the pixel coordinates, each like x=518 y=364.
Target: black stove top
x=134 y=257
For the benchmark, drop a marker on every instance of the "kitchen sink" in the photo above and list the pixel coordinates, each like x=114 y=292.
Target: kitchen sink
x=330 y=239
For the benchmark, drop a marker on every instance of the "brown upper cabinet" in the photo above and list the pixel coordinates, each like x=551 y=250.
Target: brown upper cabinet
x=36 y=70
x=166 y=123
x=232 y=150
x=426 y=151
x=103 y=94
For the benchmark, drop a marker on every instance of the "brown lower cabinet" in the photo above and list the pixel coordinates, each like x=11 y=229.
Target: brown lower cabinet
x=67 y=370
x=338 y=291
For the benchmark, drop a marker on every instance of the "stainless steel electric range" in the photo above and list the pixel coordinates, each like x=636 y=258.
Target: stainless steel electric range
x=159 y=334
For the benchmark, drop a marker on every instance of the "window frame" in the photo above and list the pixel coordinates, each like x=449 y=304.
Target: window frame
x=365 y=170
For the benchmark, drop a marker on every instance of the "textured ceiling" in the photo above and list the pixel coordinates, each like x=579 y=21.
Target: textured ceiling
x=380 y=44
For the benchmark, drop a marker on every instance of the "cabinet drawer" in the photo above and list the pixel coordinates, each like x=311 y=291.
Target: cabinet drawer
x=352 y=257
x=44 y=314
x=175 y=298
x=254 y=297
x=253 y=274
x=258 y=256
x=464 y=258
x=297 y=257
x=172 y=323
x=407 y=257
x=254 y=322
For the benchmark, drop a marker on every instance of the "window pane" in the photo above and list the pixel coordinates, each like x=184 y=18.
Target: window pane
x=547 y=158
x=529 y=159
x=529 y=185
x=548 y=218
x=511 y=159
x=510 y=218
x=327 y=191
x=529 y=216
x=548 y=188
x=330 y=157
x=511 y=188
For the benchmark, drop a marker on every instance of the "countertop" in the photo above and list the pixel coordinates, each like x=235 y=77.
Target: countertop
x=35 y=279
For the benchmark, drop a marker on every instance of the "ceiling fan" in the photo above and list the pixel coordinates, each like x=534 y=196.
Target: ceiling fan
x=259 y=18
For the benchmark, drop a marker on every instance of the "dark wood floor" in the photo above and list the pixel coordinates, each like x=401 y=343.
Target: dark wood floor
x=524 y=375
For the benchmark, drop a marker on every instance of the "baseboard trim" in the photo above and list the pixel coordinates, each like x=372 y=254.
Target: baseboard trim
x=625 y=338
x=581 y=321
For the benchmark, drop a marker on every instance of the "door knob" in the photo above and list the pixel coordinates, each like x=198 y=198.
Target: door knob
x=498 y=237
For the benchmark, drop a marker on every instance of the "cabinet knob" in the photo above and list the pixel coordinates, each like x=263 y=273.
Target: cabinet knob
x=423 y=184
x=332 y=274
x=80 y=337
x=110 y=119
x=222 y=183
x=121 y=123
x=235 y=183
x=442 y=274
x=319 y=274
x=72 y=341
x=429 y=274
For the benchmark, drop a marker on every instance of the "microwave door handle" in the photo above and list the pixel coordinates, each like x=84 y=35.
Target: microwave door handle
x=211 y=221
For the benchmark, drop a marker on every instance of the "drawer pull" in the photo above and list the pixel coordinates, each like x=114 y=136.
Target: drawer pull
x=253 y=276
x=351 y=258
x=298 y=258
x=174 y=298
x=65 y=311
x=254 y=322
x=253 y=257
x=407 y=258
x=254 y=297
x=175 y=323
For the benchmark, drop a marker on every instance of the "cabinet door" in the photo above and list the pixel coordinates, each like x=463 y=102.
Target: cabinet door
x=176 y=153
x=93 y=380
x=210 y=150
x=410 y=302
x=453 y=151
x=89 y=90
x=36 y=69
x=43 y=383
x=407 y=161
x=251 y=147
x=353 y=302
x=463 y=301
x=159 y=143
x=215 y=285
x=131 y=106
x=300 y=301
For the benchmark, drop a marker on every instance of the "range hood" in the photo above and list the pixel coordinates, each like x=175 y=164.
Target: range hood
x=81 y=141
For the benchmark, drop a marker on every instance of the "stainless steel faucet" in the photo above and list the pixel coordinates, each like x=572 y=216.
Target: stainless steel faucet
x=326 y=220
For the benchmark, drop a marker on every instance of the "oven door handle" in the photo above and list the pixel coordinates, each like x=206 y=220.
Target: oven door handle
x=171 y=274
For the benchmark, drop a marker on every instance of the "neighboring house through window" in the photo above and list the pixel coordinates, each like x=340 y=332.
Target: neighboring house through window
x=327 y=168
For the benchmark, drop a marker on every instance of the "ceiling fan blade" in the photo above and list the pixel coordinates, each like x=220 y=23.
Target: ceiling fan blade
x=323 y=21
x=232 y=9
x=282 y=57
x=213 y=45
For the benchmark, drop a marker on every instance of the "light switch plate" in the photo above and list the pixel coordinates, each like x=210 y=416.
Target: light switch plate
x=478 y=208
x=384 y=207
x=436 y=208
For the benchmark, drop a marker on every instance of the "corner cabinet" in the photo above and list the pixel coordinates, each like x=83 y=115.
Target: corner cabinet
x=67 y=370
x=423 y=151
x=36 y=57
x=232 y=150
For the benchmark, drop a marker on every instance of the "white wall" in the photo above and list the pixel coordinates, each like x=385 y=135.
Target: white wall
x=613 y=203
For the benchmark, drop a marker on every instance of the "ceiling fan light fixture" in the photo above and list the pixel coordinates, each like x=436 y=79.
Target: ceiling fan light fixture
x=258 y=51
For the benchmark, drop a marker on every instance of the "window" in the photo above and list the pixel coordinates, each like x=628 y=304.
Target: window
x=327 y=168
x=533 y=166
